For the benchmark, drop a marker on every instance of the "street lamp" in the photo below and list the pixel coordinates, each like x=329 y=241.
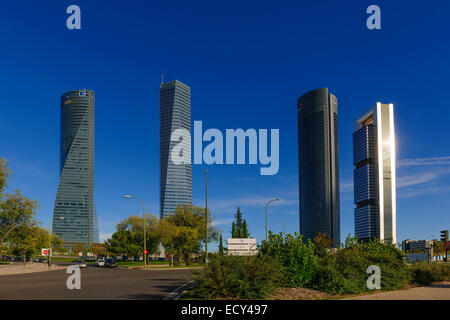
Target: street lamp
x=145 y=223
x=268 y=202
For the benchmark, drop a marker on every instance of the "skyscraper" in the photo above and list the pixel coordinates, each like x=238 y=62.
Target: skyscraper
x=318 y=165
x=74 y=216
x=374 y=174
x=174 y=113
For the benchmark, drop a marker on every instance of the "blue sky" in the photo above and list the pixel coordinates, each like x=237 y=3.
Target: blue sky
x=246 y=62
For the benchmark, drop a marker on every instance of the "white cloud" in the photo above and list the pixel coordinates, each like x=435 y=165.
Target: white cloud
x=412 y=180
x=433 y=161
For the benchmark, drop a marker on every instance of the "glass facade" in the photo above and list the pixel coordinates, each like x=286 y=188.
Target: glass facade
x=319 y=165
x=374 y=174
x=174 y=113
x=74 y=216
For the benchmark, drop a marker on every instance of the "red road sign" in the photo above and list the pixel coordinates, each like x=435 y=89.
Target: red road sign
x=44 y=252
x=448 y=245
x=145 y=251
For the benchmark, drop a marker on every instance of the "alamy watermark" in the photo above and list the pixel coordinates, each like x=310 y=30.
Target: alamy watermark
x=374 y=281
x=213 y=153
x=74 y=281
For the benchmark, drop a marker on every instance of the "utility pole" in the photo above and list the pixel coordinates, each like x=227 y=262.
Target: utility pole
x=206 y=217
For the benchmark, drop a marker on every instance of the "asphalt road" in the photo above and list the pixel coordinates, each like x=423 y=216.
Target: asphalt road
x=96 y=283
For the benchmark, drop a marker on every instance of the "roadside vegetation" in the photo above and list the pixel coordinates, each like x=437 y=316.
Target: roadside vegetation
x=20 y=232
x=289 y=264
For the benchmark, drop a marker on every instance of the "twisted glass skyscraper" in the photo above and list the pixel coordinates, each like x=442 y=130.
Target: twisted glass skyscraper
x=318 y=165
x=74 y=216
x=374 y=174
x=174 y=113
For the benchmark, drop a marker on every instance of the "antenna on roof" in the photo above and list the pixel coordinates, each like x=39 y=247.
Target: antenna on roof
x=162 y=78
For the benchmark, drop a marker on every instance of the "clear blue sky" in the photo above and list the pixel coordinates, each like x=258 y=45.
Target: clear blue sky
x=247 y=62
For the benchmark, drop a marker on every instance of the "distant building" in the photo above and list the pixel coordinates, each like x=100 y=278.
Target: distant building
x=416 y=245
x=319 y=165
x=174 y=113
x=374 y=174
x=74 y=215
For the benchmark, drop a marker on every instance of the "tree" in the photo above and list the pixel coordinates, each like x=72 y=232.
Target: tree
x=16 y=215
x=239 y=227
x=183 y=233
x=245 y=233
x=77 y=248
x=135 y=224
x=123 y=242
x=221 y=249
x=5 y=172
x=321 y=244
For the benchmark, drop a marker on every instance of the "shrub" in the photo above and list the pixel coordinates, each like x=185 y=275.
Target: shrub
x=344 y=271
x=299 y=262
x=238 y=277
x=425 y=273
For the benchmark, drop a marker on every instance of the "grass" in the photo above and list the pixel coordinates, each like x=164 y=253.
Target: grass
x=4 y=262
x=140 y=263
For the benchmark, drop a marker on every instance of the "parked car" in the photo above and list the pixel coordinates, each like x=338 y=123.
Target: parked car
x=81 y=263
x=38 y=260
x=100 y=263
x=110 y=263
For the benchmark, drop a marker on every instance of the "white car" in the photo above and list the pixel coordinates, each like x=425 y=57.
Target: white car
x=100 y=263
x=81 y=264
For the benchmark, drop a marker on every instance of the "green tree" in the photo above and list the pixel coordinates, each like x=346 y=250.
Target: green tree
x=239 y=227
x=135 y=225
x=5 y=172
x=221 y=248
x=183 y=233
x=77 y=248
x=17 y=214
x=122 y=242
x=233 y=230
x=245 y=233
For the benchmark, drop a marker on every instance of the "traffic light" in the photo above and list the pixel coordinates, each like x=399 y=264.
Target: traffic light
x=444 y=236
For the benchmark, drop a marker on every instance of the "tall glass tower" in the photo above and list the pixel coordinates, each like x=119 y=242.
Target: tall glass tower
x=318 y=165
x=74 y=216
x=374 y=174
x=174 y=113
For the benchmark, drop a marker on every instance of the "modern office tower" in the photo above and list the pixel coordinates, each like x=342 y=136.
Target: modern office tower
x=374 y=174
x=318 y=165
x=74 y=216
x=175 y=179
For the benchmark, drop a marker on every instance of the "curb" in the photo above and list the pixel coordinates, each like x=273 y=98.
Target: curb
x=178 y=292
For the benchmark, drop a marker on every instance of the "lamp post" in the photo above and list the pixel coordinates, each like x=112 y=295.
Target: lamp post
x=267 y=204
x=145 y=223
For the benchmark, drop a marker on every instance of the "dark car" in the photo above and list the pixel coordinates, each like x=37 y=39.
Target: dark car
x=110 y=263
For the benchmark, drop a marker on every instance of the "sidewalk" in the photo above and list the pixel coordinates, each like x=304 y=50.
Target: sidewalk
x=436 y=291
x=19 y=268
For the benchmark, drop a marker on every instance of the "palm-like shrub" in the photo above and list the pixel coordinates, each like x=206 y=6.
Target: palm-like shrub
x=299 y=262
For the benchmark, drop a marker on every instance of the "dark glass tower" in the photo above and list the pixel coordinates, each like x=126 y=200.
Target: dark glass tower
x=74 y=216
x=174 y=113
x=318 y=165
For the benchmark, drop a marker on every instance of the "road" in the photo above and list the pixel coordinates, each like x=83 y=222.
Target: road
x=96 y=283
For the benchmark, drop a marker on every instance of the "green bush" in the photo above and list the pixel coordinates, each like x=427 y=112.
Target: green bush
x=345 y=270
x=425 y=273
x=238 y=277
x=299 y=262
